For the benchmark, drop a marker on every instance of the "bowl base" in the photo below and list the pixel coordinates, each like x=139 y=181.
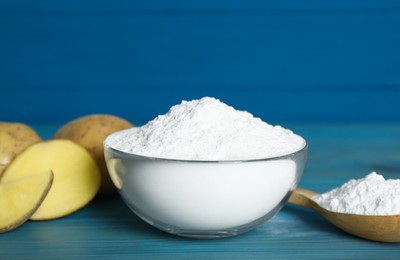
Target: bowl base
x=212 y=234
x=202 y=235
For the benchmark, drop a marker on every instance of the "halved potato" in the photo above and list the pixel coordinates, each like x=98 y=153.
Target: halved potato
x=90 y=131
x=76 y=176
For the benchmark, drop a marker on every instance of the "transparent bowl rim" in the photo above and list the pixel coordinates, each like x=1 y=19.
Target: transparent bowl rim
x=284 y=156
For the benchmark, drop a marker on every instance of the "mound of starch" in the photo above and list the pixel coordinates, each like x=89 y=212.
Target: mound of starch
x=209 y=130
x=371 y=195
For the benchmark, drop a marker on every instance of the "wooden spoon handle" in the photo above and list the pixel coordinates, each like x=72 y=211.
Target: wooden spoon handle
x=302 y=197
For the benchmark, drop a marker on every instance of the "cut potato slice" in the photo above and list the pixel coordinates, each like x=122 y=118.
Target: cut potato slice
x=19 y=199
x=76 y=176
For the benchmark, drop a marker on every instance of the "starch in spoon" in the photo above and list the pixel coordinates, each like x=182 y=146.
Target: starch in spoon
x=371 y=195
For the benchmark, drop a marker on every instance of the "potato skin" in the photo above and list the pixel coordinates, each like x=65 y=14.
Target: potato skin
x=90 y=131
x=14 y=138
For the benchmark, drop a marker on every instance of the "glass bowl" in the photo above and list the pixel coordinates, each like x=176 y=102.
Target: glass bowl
x=204 y=199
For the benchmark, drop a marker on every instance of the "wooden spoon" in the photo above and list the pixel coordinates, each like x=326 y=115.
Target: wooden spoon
x=377 y=228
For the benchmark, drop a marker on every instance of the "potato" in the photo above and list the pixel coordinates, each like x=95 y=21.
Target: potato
x=76 y=176
x=14 y=138
x=20 y=199
x=90 y=131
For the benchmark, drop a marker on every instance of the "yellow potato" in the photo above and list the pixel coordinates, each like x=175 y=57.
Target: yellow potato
x=20 y=199
x=14 y=138
x=90 y=131
x=76 y=176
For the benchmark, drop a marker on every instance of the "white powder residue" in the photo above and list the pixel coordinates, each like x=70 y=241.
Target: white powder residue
x=207 y=129
x=372 y=195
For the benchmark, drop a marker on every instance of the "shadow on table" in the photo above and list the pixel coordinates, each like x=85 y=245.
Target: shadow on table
x=313 y=220
x=116 y=216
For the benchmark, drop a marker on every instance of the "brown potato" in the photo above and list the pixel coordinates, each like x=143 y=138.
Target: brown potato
x=14 y=138
x=90 y=131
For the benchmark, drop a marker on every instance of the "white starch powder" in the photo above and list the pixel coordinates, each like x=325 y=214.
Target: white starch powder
x=372 y=195
x=207 y=129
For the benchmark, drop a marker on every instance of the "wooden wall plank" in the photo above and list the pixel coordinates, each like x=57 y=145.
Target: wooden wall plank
x=182 y=5
x=339 y=60
x=199 y=51
x=140 y=106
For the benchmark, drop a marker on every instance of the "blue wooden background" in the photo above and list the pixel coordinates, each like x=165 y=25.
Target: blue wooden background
x=313 y=61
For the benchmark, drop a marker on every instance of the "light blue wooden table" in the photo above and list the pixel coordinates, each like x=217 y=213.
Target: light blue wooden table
x=107 y=228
